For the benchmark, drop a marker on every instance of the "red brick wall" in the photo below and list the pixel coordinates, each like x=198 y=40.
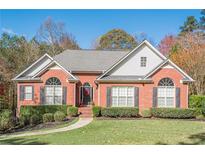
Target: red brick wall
x=61 y=75
x=146 y=90
x=90 y=78
x=99 y=96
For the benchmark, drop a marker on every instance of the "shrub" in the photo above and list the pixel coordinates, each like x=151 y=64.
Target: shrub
x=35 y=119
x=200 y=117
x=197 y=102
x=48 y=117
x=6 y=120
x=72 y=111
x=59 y=116
x=24 y=117
x=42 y=109
x=119 y=112
x=96 y=111
x=174 y=113
x=146 y=113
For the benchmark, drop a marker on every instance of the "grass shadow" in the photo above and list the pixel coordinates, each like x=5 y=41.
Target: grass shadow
x=196 y=138
x=21 y=141
x=161 y=143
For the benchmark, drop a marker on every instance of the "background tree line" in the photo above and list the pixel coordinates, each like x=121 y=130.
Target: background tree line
x=187 y=50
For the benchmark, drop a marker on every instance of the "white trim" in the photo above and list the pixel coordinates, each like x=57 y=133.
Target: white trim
x=124 y=81
x=87 y=72
x=29 y=79
x=32 y=65
x=185 y=74
x=65 y=70
x=154 y=70
x=122 y=59
x=74 y=94
x=174 y=65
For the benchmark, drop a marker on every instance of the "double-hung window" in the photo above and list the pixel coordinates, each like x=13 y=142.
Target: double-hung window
x=28 y=93
x=53 y=95
x=166 y=93
x=123 y=97
x=53 y=91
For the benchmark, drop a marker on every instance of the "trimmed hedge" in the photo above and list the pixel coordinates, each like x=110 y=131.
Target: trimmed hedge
x=35 y=119
x=197 y=102
x=146 y=113
x=174 y=113
x=42 y=109
x=6 y=120
x=96 y=111
x=72 y=111
x=59 y=116
x=26 y=112
x=119 y=112
x=48 y=117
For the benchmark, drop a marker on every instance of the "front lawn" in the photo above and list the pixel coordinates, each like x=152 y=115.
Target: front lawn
x=144 y=131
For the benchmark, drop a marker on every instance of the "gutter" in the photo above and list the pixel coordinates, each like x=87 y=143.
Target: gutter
x=28 y=80
x=124 y=81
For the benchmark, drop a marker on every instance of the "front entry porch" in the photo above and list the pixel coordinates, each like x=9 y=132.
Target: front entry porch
x=85 y=95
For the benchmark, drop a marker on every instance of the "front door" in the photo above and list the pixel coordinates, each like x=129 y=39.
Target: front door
x=86 y=94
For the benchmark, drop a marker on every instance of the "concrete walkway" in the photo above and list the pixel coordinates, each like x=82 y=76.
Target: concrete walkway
x=80 y=123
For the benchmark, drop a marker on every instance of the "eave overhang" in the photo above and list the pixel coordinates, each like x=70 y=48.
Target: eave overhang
x=28 y=80
x=124 y=81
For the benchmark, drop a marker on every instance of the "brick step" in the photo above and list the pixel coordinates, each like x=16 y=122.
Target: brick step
x=85 y=111
x=87 y=115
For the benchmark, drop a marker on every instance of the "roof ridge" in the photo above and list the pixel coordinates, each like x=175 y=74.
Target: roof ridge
x=107 y=50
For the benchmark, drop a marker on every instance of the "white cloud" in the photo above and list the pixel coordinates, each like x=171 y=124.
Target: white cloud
x=9 y=31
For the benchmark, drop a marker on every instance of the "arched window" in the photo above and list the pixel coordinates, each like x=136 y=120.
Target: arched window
x=166 y=93
x=86 y=84
x=166 y=82
x=53 y=91
x=53 y=81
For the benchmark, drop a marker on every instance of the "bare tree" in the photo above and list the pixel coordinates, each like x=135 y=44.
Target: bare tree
x=55 y=35
x=143 y=36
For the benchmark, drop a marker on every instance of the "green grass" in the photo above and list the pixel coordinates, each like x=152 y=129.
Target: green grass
x=144 y=131
x=64 y=124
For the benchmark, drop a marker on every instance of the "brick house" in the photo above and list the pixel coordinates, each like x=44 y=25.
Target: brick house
x=141 y=78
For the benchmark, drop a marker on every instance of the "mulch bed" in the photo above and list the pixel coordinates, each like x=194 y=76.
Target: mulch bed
x=37 y=127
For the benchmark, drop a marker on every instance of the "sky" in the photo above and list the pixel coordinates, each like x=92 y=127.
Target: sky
x=87 y=25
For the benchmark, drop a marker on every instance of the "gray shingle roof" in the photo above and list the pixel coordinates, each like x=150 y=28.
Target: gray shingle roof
x=88 y=60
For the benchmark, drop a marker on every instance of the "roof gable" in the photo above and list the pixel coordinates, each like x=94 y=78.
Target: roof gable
x=35 y=69
x=155 y=56
x=53 y=63
x=163 y=64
